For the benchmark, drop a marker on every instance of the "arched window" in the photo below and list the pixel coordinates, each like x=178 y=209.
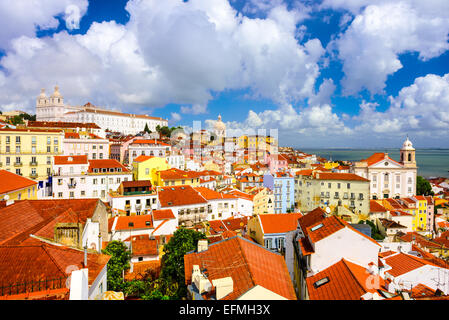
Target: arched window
x=409 y=157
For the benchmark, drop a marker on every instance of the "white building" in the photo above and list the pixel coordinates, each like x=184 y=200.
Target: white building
x=176 y=161
x=148 y=147
x=92 y=146
x=53 y=109
x=133 y=198
x=76 y=177
x=389 y=178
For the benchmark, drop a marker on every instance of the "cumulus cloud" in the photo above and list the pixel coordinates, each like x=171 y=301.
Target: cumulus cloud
x=381 y=31
x=22 y=17
x=169 y=52
x=421 y=108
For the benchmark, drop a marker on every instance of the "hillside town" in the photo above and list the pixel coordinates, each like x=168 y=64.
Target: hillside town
x=104 y=205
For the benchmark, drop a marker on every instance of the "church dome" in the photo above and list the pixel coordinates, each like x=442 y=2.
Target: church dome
x=42 y=95
x=219 y=125
x=407 y=145
x=56 y=93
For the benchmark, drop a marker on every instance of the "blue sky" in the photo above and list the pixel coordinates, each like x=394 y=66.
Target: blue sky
x=327 y=73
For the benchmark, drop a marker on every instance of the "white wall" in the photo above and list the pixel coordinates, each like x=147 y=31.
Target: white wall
x=347 y=244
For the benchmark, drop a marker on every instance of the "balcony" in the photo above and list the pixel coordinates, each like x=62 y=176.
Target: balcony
x=352 y=197
x=138 y=206
x=130 y=193
x=34 y=175
x=17 y=164
x=71 y=186
x=336 y=197
x=33 y=163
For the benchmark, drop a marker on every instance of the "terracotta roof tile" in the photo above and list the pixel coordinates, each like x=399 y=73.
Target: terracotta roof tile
x=279 y=223
x=179 y=196
x=61 y=160
x=346 y=281
x=248 y=265
x=11 y=182
x=163 y=214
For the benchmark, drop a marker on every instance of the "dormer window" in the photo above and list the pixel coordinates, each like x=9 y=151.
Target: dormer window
x=131 y=224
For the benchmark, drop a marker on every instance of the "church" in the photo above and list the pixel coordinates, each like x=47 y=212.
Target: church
x=53 y=109
x=389 y=178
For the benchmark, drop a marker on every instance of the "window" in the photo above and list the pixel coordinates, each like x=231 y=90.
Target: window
x=59 y=194
x=17 y=139
x=8 y=149
x=33 y=140
x=7 y=161
x=7 y=139
x=55 y=141
x=33 y=149
x=83 y=193
x=321 y=282
x=48 y=149
x=17 y=149
x=95 y=181
x=48 y=140
x=95 y=194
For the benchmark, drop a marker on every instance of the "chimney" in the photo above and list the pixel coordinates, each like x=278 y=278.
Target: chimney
x=202 y=245
x=200 y=281
x=223 y=287
x=85 y=257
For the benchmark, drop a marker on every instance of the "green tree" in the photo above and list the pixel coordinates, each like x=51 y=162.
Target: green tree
x=16 y=120
x=118 y=264
x=172 y=264
x=423 y=187
x=147 y=130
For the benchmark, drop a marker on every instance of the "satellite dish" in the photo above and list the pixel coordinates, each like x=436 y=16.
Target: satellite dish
x=328 y=210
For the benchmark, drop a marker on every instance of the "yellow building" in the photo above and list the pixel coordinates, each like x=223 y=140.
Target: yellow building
x=16 y=187
x=420 y=217
x=211 y=165
x=242 y=142
x=263 y=202
x=29 y=152
x=145 y=168
x=331 y=165
x=176 y=177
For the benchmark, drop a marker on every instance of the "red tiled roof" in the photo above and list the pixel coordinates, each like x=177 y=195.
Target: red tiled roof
x=71 y=135
x=11 y=182
x=60 y=160
x=220 y=226
x=177 y=174
x=26 y=217
x=163 y=214
x=179 y=196
x=248 y=265
x=402 y=263
x=137 y=183
x=61 y=124
x=347 y=281
x=107 y=164
x=311 y=218
x=45 y=261
x=147 y=141
x=142 y=158
x=376 y=157
x=338 y=176
x=134 y=222
x=279 y=223
x=143 y=247
x=306 y=172
x=330 y=225
x=376 y=207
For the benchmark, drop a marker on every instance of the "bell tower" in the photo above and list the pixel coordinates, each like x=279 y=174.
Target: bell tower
x=408 y=154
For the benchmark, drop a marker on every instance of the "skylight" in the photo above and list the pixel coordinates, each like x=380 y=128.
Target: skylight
x=321 y=282
x=316 y=227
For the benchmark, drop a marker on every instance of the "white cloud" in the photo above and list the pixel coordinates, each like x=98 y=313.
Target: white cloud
x=421 y=108
x=169 y=52
x=22 y=17
x=380 y=32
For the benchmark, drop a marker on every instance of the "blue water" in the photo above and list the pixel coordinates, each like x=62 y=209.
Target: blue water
x=431 y=162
